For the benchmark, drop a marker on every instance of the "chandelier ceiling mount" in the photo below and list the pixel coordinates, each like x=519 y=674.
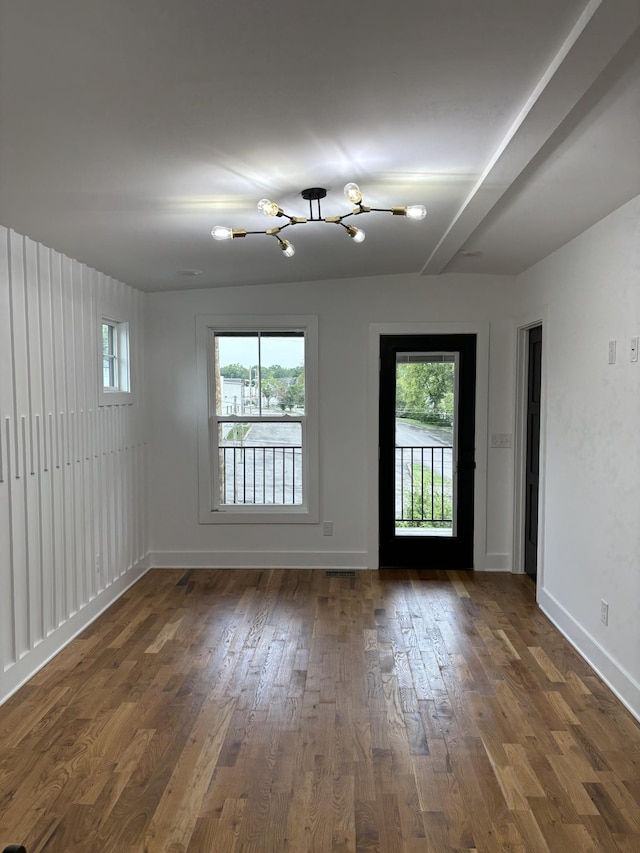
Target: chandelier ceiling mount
x=316 y=194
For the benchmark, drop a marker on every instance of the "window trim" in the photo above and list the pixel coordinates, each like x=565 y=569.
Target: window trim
x=120 y=394
x=308 y=511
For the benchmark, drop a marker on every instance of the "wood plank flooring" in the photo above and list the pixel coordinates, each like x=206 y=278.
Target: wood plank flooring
x=284 y=712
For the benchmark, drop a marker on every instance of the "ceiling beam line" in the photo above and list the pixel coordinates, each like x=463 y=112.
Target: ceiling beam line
x=597 y=36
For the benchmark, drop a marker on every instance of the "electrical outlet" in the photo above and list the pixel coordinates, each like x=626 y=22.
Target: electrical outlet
x=327 y=528
x=612 y=352
x=634 y=349
x=604 y=612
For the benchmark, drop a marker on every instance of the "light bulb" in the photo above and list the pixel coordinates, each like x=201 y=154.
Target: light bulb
x=416 y=211
x=269 y=208
x=356 y=234
x=288 y=250
x=352 y=192
x=221 y=232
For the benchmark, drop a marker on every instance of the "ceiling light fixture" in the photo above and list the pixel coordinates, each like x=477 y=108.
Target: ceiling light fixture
x=316 y=194
x=190 y=273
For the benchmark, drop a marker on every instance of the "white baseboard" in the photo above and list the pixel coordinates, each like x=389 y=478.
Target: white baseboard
x=286 y=560
x=258 y=560
x=496 y=563
x=20 y=672
x=622 y=683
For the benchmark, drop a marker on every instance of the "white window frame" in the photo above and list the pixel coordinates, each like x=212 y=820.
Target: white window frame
x=210 y=510
x=120 y=393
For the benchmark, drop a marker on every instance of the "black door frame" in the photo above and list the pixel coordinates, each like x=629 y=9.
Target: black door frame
x=427 y=552
x=520 y=449
x=532 y=450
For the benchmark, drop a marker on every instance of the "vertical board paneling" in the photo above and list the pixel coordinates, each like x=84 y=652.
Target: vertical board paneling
x=17 y=487
x=47 y=407
x=72 y=502
x=33 y=475
x=57 y=437
x=88 y=358
x=69 y=406
x=7 y=627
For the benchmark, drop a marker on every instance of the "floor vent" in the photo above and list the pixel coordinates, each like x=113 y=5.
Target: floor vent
x=338 y=574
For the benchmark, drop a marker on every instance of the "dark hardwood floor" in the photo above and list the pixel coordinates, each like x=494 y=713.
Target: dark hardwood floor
x=282 y=711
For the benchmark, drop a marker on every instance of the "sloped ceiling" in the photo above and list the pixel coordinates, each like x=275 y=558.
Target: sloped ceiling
x=129 y=128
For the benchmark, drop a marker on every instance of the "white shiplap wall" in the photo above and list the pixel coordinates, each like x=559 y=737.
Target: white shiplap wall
x=73 y=531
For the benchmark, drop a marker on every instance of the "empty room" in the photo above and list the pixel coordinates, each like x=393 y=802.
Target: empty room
x=319 y=402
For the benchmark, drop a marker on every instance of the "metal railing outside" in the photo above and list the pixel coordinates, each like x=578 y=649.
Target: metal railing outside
x=424 y=486
x=261 y=475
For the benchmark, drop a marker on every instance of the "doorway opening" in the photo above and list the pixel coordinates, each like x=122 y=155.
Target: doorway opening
x=532 y=450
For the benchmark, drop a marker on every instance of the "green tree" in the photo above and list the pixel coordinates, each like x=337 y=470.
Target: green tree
x=446 y=406
x=426 y=500
x=424 y=390
x=297 y=390
x=234 y=371
x=277 y=371
x=295 y=372
x=288 y=401
x=281 y=391
x=268 y=391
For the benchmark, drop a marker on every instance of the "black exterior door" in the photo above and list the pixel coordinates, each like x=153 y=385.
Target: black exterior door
x=427 y=451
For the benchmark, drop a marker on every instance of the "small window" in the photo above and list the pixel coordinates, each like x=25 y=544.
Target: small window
x=261 y=440
x=110 y=356
x=115 y=369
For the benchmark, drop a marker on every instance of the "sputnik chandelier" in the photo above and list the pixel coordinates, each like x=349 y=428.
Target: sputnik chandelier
x=316 y=194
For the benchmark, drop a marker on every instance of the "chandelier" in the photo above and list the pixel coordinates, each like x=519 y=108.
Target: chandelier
x=316 y=194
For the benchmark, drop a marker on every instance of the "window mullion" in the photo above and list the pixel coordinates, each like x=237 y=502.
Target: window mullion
x=260 y=373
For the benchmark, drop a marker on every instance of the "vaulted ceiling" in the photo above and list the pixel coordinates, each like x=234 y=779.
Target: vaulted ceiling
x=129 y=128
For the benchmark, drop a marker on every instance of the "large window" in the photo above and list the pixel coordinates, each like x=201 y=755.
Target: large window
x=260 y=420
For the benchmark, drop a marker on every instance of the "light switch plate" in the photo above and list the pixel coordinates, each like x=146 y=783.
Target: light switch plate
x=501 y=439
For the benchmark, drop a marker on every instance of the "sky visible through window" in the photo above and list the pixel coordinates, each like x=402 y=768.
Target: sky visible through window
x=287 y=352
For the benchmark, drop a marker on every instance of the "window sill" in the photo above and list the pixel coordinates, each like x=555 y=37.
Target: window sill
x=303 y=515
x=115 y=398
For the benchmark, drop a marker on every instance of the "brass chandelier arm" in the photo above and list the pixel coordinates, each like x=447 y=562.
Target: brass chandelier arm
x=314 y=195
x=293 y=220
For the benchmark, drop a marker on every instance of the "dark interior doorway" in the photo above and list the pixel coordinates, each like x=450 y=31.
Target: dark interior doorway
x=532 y=459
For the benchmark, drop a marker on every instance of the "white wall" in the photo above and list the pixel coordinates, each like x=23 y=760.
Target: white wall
x=72 y=475
x=346 y=310
x=589 y=293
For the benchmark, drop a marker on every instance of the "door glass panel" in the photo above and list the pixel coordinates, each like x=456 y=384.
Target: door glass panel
x=425 y=444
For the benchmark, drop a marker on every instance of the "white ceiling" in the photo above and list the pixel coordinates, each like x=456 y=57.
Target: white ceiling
x=129 y=128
